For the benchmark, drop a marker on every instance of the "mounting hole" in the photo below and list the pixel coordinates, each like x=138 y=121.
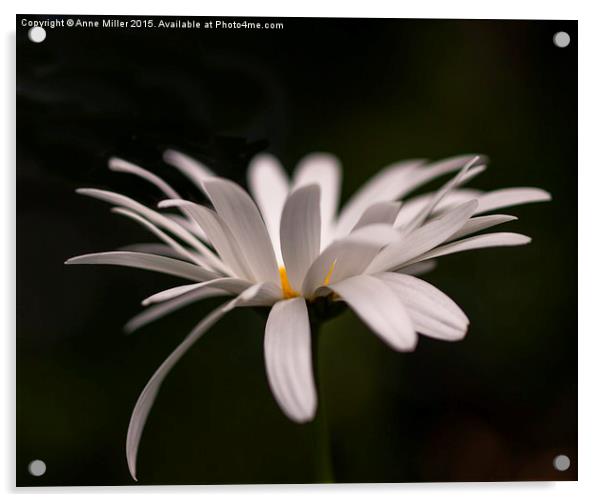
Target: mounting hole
x=562 y=39
x=562 y=462
x=37 y=468
x=37 y=34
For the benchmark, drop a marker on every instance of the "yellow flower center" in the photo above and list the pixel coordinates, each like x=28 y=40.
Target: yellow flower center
x=287 y=290
x=326 y=281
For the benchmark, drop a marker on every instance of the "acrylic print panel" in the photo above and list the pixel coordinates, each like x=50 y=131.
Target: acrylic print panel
x=316 y=307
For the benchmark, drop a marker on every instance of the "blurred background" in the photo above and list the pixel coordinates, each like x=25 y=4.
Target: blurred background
x=500 y=405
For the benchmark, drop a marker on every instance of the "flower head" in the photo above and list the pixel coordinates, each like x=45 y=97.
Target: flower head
x=289 y=248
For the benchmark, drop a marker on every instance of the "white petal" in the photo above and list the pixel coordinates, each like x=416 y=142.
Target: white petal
x=387 y=185
x=162 y=309
x=395 y=182
x=380 y=308
x=180 y=250
x=123 y=166
x=193 y=169
x=423 y=239
x=149 y=393
x=348 y=256
x=478 y=223
x=120 y=165
x=411 y=207
x=436 y=169
x=144 y=261
x=218 y=234
x=432 y=312
x=466 y=173
x=498 y=239
x=269 y=185
x=147 y=397
x=267 y=294
x=151 y=248
x=325 y=170
x=380 y=212
x=191 y=226
x=264 y=294
x=510 y=197
x=227 y=284
x=376 y=233
x=288 y=359
x=420 y=268
x=240 y=214
x=300 y=232
x=154 y=217
x=171 y=293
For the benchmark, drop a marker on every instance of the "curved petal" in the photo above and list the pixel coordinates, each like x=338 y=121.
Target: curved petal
x=466 y=174
x=380 y=212
x=153 y=216
x=269 y=185
x=423 y=239
x=436 y=169
x=227 y=284
x=395 y=182
x=478 y=223
x=506 y=197
x=488 y=201
x=411 y=207
x=189 y=225
x=387 y=185
x=267 y=295
x=264 y=294
x=432 y=312
x=147 y=397
x=180 y=250
x=497 y=239
x=151 y=248
x=347 y=257
x=123 y=166
x=218 y=234
x=380 y=308
x=145 y=261
x=324 y=170
x=149 y=393
x=160 y=310
x=419 y=268
x=240 y=214
x=300 y=232
x=288 y=359
x=191 y=168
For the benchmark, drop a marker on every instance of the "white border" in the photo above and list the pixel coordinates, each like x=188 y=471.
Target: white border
x=508 y=9
x=590 y=335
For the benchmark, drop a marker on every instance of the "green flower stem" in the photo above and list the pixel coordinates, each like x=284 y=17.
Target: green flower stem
x=323 y=454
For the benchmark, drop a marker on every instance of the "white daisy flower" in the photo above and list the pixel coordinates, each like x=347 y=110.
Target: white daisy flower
x=290 y=250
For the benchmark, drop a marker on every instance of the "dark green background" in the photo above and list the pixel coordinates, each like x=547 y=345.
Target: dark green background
x=499 y=405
